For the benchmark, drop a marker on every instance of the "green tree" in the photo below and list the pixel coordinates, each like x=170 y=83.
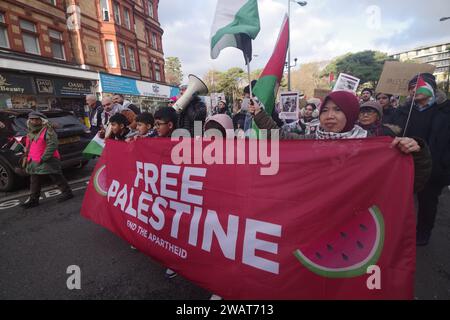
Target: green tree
x=211 y=79
x=229 y=83
x=174 y=75
x=365 y=65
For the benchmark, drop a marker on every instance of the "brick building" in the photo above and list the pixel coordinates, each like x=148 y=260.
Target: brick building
x=56 y=51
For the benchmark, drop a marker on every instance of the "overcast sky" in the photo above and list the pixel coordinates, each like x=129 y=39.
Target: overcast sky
x=320 y=31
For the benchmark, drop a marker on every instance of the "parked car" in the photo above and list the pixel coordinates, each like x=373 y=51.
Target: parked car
x=73 y=137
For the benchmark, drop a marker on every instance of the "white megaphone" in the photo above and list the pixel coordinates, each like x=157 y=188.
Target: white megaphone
x=195 y=87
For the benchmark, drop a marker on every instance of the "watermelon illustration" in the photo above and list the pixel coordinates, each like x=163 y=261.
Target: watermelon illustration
x=348 y=250
x=100 y=183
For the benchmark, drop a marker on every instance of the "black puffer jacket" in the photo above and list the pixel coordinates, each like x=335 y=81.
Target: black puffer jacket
x=195 y=111
x=438 y=138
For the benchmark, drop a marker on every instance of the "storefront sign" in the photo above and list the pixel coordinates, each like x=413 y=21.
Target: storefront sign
x=72 y=87
x=116 y=84
x=44 y=86
x=15 y=84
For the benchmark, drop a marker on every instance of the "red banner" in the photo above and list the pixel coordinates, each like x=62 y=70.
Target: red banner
x=336 y=221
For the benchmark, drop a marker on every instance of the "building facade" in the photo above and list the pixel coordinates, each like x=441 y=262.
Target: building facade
x=438 y=55
x=54 y=52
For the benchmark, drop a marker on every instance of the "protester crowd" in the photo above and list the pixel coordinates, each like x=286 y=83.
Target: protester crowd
x=420 y=127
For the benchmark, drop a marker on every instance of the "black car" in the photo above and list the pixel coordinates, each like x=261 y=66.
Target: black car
x=73 y=137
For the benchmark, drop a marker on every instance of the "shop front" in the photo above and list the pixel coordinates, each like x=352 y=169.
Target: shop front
x=42 y=92
x=146 y=95
x=28 y=83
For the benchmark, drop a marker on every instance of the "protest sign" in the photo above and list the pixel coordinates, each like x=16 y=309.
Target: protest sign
x=346 y=82
x=289 y=104
x=396 y=76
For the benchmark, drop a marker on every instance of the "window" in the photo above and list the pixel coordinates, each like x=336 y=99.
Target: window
x=123 y=56
x=150 y=67
x=146 y=36
x=127 y=18
x=116 y=10
x=57 y=44
x=29 y=37
x=111 y=54
x=157 y=72
x=3 y=32
x=105 y=9
x=132 y=58
x=150 y=8
x=154 y=42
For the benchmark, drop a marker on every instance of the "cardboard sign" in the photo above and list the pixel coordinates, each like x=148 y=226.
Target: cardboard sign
x=346 y=82
x=321 y=93
x=396 y=76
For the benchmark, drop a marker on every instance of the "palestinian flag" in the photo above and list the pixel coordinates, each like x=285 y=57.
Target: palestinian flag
x=269 y=81
x=424 y=87
x=94 y=148
x=235 y=25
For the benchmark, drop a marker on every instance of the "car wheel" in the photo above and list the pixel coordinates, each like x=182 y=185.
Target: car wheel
x=7 y=177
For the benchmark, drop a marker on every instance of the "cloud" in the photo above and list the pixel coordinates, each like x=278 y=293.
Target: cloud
x=320 y=31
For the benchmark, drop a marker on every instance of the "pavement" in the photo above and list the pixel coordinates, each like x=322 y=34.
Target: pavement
x=38 y=245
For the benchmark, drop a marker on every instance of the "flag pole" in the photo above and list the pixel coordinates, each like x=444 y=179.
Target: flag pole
x=412 y=105
x=249 y=76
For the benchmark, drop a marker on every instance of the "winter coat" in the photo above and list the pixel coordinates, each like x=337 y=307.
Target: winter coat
x=49 y=162
x=97 y=113
x=195 y=111
x=438 y=137
x=239 y=120
x=388 y=115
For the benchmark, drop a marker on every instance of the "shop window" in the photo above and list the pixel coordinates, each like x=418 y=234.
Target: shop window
x=111 y=53
x=30 y=37
x=127 y=18
x=132 y=58
x=57 y=44
x=4 y=43
x=157 y=72
x=116 y=10
x=123 y=56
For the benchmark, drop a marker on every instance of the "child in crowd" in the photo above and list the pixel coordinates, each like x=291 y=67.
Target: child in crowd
x=119 y=127
x=144 y=126
x=166 y=120
x=131 y=117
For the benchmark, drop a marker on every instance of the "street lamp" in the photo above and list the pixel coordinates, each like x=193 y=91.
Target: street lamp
x=448 y=71
x=301 y=4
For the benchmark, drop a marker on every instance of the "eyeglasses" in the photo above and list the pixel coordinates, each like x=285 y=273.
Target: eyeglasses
x=382 y=98
x=159 y=124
